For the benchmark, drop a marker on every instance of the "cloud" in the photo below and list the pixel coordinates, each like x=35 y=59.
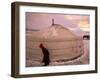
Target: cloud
x=77 y=17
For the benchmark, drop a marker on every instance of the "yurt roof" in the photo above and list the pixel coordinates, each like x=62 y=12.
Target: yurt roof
x=57 y=31
x=54 y=32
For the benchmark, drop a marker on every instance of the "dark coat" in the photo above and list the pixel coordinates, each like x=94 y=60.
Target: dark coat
x=46 y=58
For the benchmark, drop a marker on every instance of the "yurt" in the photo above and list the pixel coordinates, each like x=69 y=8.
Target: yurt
x=62 y=44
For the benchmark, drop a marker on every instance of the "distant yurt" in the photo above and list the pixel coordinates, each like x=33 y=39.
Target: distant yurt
x=62 y=44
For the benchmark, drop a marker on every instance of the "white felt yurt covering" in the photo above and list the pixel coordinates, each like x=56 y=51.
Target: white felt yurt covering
x=60 y=42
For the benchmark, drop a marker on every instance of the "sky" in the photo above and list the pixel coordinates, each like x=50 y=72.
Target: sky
x=43 y=20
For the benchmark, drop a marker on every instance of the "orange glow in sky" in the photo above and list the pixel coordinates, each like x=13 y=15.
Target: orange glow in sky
x=84 y=25
x=81 y=21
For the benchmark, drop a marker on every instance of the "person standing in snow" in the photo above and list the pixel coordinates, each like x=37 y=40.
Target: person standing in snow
x=46 y=58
